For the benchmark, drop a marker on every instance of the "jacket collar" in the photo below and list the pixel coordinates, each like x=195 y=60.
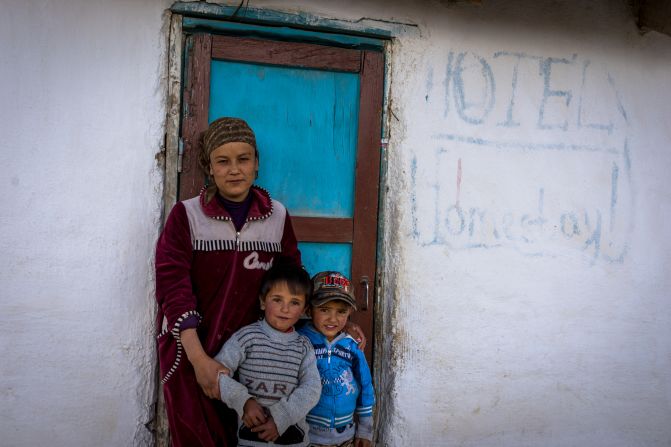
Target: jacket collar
x=311 y=328
x=260 y=208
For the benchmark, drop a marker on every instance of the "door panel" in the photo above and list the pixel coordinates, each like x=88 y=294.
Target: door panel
x=316 y=112
x=319 y=256
x=311 y=172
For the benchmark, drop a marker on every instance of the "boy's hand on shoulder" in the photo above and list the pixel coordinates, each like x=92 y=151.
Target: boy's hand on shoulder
x=254 y=414
x=267 y=431
x=360 y=442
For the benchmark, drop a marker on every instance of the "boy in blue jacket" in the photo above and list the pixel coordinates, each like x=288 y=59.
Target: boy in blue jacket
x=346 y=381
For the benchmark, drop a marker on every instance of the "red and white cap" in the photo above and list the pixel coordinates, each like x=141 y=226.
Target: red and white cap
x=331 y=285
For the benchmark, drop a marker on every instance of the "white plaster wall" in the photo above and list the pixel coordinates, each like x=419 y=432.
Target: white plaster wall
x=516 y=328
x=527 y=246
x=82 y=116
x=531 y=294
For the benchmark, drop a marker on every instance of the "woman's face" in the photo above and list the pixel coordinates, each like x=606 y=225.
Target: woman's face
x=233 y=167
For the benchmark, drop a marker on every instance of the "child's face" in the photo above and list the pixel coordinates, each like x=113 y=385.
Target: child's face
x=282 y=308
x=330 y=318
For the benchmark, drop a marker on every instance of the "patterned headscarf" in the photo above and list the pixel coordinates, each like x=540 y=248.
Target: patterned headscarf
x=225 y=130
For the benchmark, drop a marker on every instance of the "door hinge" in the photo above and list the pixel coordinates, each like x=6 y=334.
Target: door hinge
x=180 y=154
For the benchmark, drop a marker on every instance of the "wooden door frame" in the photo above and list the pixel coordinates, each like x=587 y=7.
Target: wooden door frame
x=330 y=31
x=361 y=229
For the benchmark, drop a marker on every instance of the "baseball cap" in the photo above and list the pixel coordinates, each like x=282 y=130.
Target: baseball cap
x=331 y=285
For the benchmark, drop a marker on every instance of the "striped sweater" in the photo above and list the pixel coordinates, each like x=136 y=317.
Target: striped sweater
x=277 y=369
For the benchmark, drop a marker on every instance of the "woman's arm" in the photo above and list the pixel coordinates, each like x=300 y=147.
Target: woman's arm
x=206 y=368
x=174 y=293
x=174 y=252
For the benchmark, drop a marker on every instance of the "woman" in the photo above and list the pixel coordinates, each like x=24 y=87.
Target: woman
x=210 y=258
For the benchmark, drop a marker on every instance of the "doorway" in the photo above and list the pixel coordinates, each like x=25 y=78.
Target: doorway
x=316 y=111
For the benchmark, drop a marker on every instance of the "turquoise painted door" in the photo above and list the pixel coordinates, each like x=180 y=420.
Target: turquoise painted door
x=305 y=122
x=316 y=113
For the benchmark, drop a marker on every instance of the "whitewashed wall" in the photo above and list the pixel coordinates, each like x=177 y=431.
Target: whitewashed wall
x=529 y=209
x=82 y=120
x=526 y=222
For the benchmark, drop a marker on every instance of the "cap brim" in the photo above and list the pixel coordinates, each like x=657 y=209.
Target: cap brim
x=332 y=296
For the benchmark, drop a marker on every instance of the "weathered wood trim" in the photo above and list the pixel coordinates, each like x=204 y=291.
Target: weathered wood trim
x=174 y=105
x=284 y=33
x=384 y=309
x=305 y=20
x=170 y=186
x=195 y=113
x=320 y=229
x=367 y=180
x=162 y=431
x=295 y=54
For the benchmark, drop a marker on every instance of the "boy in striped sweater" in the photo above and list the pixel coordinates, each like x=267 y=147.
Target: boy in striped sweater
x=277 y=381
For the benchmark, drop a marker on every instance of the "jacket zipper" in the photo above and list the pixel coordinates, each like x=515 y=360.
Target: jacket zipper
x=237 y=235
x=235 y=257
x=333 y=397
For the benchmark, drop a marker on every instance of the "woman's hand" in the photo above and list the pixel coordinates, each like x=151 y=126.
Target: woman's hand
x=206 y=368
x=207 y=374
x=355 y=331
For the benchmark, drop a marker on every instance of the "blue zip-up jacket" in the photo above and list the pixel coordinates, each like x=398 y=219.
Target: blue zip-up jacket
x=347 y=388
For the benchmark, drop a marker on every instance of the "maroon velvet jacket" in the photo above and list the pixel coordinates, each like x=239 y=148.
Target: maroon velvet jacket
x=205 y=268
